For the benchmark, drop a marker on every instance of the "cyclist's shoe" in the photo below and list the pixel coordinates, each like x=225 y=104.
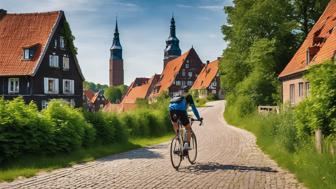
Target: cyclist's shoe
x=186 y=146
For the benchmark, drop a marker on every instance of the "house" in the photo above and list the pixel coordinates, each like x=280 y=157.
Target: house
x=318 y=47
x=181 y=71
x=208 y=81
x=38 y=60
x=141 y=88
x=94 y=101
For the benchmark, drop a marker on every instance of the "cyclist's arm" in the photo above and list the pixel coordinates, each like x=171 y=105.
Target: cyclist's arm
x=193 y=107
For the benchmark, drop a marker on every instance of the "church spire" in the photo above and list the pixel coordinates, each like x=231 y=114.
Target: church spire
x=172 y=27
x=116 y=64
x=172 y=49
x=116 y=48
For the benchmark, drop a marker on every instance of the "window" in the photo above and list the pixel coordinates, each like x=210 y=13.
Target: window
x=28 y=54
x=68 y=86
x=183 y=83
x=62 y=44
x=55 y=43
x=183 y=72
x=189 y=83
x=307 y=56
x=300 y=89
x=53 y=61
x=66 y=63
x=292 y=93
x=190 y=74
x=187 y=66
x=307 y=89
x=13 y=85
x=50 y=86
x=44 y=104
x=178 y=83
x=214 y=83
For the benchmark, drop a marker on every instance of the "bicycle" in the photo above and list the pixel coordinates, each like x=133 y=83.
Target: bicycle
x=177 y=153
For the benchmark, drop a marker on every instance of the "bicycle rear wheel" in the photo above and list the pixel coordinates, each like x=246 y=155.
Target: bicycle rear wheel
x=175 y=153
x=192 y=154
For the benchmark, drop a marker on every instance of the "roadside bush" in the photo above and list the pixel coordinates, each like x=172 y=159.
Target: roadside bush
x=319 y=109
x=22 y=129
x=69 y=128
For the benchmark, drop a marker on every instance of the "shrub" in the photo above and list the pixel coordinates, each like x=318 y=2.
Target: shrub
x=69 y=127
x=319 y=109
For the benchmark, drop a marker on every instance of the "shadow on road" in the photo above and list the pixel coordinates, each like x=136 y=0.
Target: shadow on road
x=213 y=167
x=142 y=153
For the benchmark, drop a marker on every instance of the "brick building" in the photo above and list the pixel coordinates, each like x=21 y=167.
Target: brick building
x=318 y=47
x=181 y=71
x=208 y=80
x=116 y=65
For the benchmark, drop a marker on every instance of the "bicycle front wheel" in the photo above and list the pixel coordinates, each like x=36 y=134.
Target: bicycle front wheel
x=192 y=154
x=175 y=152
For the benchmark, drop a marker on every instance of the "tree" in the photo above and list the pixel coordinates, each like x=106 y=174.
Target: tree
x=113 y=94
x=307 y=12
x=260 y=43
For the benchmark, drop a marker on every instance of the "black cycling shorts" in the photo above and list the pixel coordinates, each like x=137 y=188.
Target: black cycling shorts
x=179 y=115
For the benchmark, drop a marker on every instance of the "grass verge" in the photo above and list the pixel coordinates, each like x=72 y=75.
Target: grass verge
x=30 y=165
x=313 y=169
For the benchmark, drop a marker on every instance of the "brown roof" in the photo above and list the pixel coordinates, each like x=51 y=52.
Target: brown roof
x=140 y=90
x=18 y=31
x=171 y=70
x=206 y=76
x=320 y=42
x=89 y=94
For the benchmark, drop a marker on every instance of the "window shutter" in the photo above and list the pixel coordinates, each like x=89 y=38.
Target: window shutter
x=50 y=60
x=72 y=85
x=56 y=86
x=56 y=60
x=45 y=85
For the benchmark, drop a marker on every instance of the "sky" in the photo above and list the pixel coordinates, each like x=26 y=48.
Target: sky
x=143 y=27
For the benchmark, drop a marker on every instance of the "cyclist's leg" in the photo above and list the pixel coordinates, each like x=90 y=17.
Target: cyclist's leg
x=186 y=123
x=174 y=118
x=188 y=127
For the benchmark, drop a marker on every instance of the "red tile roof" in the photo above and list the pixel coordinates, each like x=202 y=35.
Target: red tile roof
x=89 y=94
x=320 y=42
x=24 y=30
x=170 y=71
x=206 y=76
x=140 y=91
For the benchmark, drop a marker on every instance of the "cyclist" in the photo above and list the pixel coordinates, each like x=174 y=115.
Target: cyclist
x=178 y=111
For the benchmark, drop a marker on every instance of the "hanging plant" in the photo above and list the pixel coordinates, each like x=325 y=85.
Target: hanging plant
x=69 y=38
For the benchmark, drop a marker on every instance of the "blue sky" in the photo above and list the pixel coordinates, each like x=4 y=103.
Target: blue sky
x=143 y=27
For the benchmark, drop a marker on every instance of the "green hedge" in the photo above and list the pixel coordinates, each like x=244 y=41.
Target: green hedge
x=62 y=129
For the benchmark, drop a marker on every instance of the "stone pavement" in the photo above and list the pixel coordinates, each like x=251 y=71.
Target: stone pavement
x=227 y=158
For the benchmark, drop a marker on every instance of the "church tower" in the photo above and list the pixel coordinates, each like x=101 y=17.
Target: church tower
x=172 y=49
x=116 y=61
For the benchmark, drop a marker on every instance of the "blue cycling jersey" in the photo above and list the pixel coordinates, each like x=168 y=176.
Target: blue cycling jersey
x=182 y=105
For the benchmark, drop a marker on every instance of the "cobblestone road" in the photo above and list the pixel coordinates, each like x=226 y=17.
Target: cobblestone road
x=228 y=158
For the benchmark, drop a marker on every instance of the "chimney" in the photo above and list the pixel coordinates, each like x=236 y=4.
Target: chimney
x=207 y=62
x=3 y=12
x=218 y=58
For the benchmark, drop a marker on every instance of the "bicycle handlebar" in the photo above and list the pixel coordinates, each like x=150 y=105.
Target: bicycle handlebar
x=201 y=121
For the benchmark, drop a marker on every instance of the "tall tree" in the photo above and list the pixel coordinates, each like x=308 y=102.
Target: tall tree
x=307 y=12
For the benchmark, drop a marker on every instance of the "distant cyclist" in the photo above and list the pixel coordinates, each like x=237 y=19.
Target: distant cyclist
x=178 y=111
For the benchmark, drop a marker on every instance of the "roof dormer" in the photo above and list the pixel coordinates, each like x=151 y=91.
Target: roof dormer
x=29 y=51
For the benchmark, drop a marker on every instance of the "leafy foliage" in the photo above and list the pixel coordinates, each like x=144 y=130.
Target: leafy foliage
x=262 y=36
x=62 y=129
x=319 y=109
x=93 y=86
x=114 y=94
